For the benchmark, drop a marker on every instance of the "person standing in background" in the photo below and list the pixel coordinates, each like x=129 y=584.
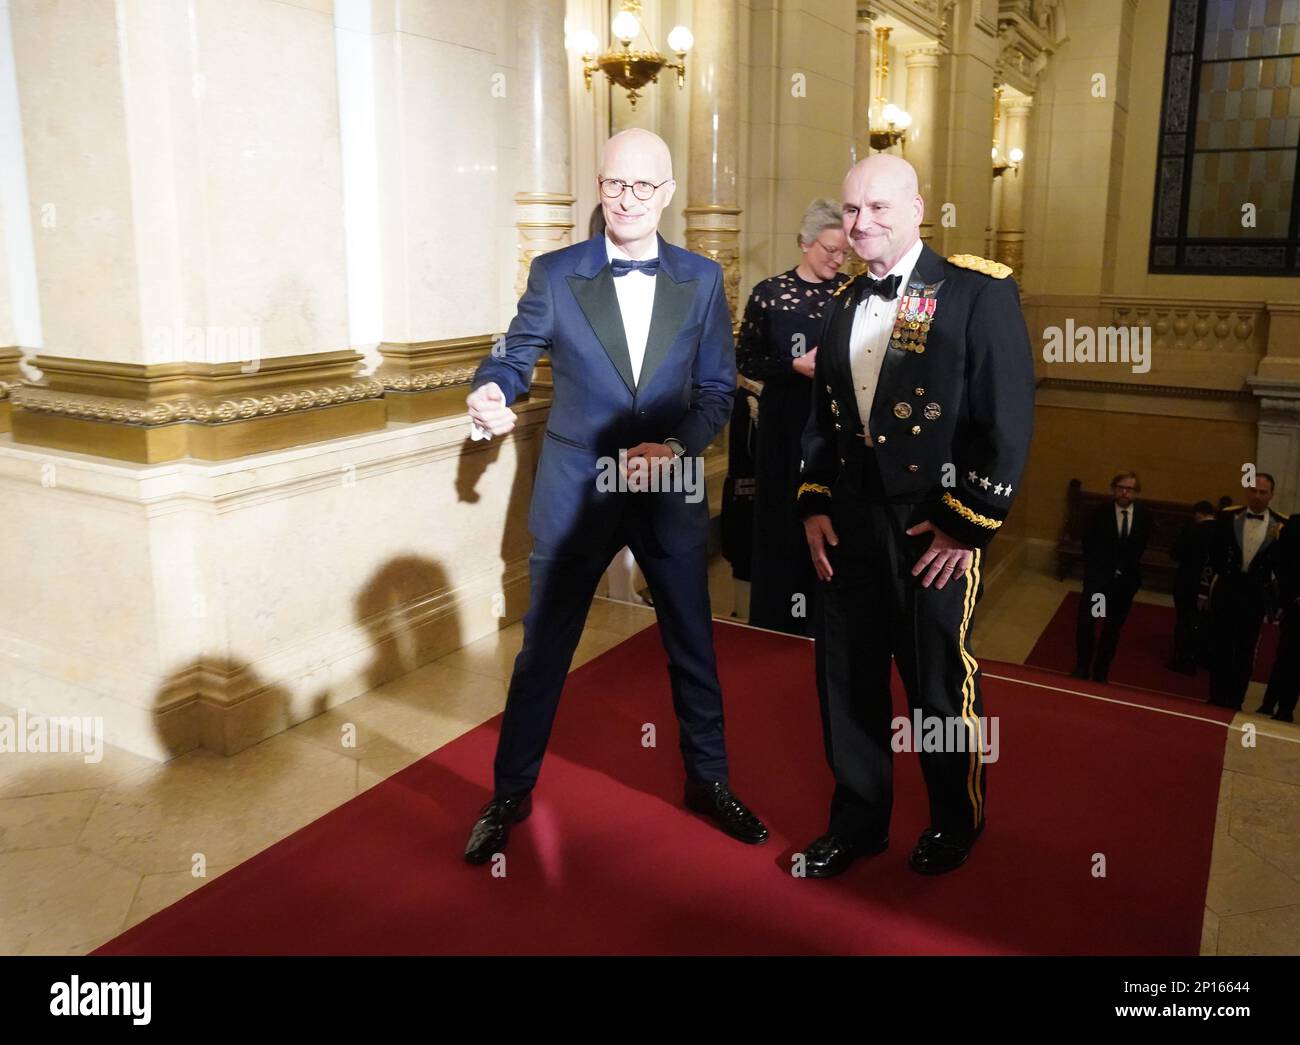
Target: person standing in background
x=1112 y=555
x=736 y=524
x=1284 y=682
x=1241 y=591
x=778 y=346
x=1192 y=551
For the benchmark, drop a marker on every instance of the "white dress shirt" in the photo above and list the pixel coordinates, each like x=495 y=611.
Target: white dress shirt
x=869 y=340
x=636 y=301
x=1253 y=532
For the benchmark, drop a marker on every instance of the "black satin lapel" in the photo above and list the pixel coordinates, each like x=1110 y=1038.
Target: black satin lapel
x=599 y=303
x=839 y=333
x=672 y=303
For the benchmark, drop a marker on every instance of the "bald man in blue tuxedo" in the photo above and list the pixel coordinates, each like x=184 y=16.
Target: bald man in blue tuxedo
x=643 y=364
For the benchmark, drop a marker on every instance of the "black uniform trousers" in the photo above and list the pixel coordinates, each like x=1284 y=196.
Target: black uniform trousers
x=1236 y=615
x=871 y=609
x=563 y=585
x=1092 y=655
x=1284 y=681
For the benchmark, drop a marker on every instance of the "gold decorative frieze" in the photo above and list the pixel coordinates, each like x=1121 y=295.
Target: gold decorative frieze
x=10 y=378
x=156 y=412
x=427 y=379
x=713 y=230
x=151 y=412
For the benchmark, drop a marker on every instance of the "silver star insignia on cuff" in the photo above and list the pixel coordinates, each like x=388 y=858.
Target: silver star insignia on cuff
x=984 y=482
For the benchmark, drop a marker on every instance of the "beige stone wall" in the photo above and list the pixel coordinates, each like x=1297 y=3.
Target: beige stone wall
x=796 y=148
x=189 y=157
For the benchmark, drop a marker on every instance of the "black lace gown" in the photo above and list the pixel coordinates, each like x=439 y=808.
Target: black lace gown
x=782 y=319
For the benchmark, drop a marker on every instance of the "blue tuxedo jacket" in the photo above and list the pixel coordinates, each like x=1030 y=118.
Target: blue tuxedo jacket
x=688 y=379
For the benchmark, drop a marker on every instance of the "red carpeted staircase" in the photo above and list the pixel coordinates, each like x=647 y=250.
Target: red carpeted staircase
x=611 y=863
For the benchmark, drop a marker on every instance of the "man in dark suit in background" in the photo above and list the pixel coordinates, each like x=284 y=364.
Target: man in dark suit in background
x=1241 y=594
x=1284 y=682
x=1192 y=551
x=643 y=364
x=1113 y=545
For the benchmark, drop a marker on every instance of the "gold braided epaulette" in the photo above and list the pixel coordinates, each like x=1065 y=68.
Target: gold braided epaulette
x=973 y=261
x=812 y=488
x=966 y=513
x=843 y=287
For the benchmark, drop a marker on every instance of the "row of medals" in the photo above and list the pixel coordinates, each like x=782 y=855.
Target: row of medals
x=912 y=323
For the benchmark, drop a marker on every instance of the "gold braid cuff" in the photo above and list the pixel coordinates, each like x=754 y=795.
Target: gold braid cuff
x=812 y=488
x=966 y=513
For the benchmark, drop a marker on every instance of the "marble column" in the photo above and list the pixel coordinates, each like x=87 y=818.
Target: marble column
x=863 y=81
x=712 y=208
x=918 y=147
x=1010 y=249
x=544 y=202
x=1276 y=385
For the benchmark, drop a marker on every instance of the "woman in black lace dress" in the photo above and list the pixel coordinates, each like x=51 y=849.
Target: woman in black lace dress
x=777 y=346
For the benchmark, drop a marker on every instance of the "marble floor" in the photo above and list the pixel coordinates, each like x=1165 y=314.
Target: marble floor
x=87 y=851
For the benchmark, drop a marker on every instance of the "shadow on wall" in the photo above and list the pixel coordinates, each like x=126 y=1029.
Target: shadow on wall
x=408 y=610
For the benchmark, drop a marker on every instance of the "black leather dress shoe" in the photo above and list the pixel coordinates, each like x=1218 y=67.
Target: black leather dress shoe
x=938 y=852
x=1283 y=716
x=492 y=828
x=831 y=854
x=719 y=803
x=1079 y=673
x=1264 y=709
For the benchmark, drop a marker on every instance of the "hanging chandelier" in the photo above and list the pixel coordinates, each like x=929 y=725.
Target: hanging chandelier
x=633 y=69
x=888 y=123
x=1011 y=161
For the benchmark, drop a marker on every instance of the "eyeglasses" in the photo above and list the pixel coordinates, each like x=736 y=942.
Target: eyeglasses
x=613 y=188
x=834 y=252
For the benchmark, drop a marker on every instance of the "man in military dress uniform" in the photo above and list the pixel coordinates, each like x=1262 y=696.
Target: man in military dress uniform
x=922 y=414
x=1241 y=593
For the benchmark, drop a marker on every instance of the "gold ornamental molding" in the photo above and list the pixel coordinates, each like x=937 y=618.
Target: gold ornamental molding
x=543 y=222
x=713 y=230
x=11 y=377
x=427 y=379
x=151 y=412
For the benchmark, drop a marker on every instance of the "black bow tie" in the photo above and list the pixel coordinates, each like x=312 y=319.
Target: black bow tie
x=886 y=289
x=622 y=266
x=1252 y=515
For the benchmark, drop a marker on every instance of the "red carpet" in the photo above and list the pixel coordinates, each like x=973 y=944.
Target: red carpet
x=609 y=863
x=1145 y=643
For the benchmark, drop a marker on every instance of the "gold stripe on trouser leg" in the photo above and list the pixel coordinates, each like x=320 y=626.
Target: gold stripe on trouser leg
x=973 y=788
